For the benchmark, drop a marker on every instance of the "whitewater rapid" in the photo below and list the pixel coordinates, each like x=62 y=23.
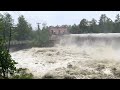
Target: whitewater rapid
x=39 y=61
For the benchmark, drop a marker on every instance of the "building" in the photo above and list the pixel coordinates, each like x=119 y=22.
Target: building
x=58 y=30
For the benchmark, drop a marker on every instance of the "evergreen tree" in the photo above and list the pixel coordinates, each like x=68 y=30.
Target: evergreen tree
x=117 y=24
x=83 y=26
x=93 y=26
x=8 y=24
x=23 y=29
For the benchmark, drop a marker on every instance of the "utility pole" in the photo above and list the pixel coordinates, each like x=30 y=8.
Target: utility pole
x=38 y=26
x=39 y=30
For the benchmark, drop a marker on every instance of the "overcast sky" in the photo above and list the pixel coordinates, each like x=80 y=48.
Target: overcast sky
x=59 y=17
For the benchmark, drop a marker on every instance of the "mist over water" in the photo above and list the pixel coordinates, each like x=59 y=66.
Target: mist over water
x=81 y=50
x=101 y=39
x=102 y=45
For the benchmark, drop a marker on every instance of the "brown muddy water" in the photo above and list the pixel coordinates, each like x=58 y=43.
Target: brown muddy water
x=79 y=56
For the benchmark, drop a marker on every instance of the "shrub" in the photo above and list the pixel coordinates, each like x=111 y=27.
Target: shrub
x=22 y=74
x=7 y=64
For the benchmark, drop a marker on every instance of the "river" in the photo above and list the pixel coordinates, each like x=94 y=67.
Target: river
x=78 y=55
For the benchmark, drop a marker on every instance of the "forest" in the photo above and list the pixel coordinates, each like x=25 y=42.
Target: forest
x=104 y=25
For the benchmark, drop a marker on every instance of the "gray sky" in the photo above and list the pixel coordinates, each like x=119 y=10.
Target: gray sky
x=59 y=17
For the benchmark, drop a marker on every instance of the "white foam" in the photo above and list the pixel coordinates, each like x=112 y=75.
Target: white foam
x=59 y=56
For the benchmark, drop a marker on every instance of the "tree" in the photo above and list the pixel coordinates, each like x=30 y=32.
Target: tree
x=104 y=20
x=117 y=24
x=41 y=37
x=83 y=26
x=109 y=25
x=44 y=36
x=23 y=29
x=69 y=28
x=1 y=25
x=74 y=29
x=8 y=23
x=93 y=26
x=7 y=64
x=30 y=31
x=117 y=18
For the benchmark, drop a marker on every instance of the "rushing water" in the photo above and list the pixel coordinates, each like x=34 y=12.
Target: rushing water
x=81 y=50
x=108 y=39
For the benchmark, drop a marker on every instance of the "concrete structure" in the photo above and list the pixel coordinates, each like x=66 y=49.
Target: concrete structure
x=58 y=30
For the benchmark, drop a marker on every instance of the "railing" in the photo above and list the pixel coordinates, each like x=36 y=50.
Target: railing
x=18 y=42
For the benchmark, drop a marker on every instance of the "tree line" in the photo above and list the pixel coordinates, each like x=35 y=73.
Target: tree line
x=24 y=31
x=104 y=25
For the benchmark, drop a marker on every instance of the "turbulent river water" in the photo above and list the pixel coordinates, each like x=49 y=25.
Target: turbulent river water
x=77 y=56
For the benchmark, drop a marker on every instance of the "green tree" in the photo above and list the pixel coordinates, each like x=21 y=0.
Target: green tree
x=83 y=26
x=117 y=18
x=69 y=28
x=109 y=25
x=74 y=29
x=117 y=24
x=104 y=23
x=1 y=25
x=41 y=37
x=7 y=64
x=93 y=28
x=44 y=36
x=23 y=29
x=8 y=23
